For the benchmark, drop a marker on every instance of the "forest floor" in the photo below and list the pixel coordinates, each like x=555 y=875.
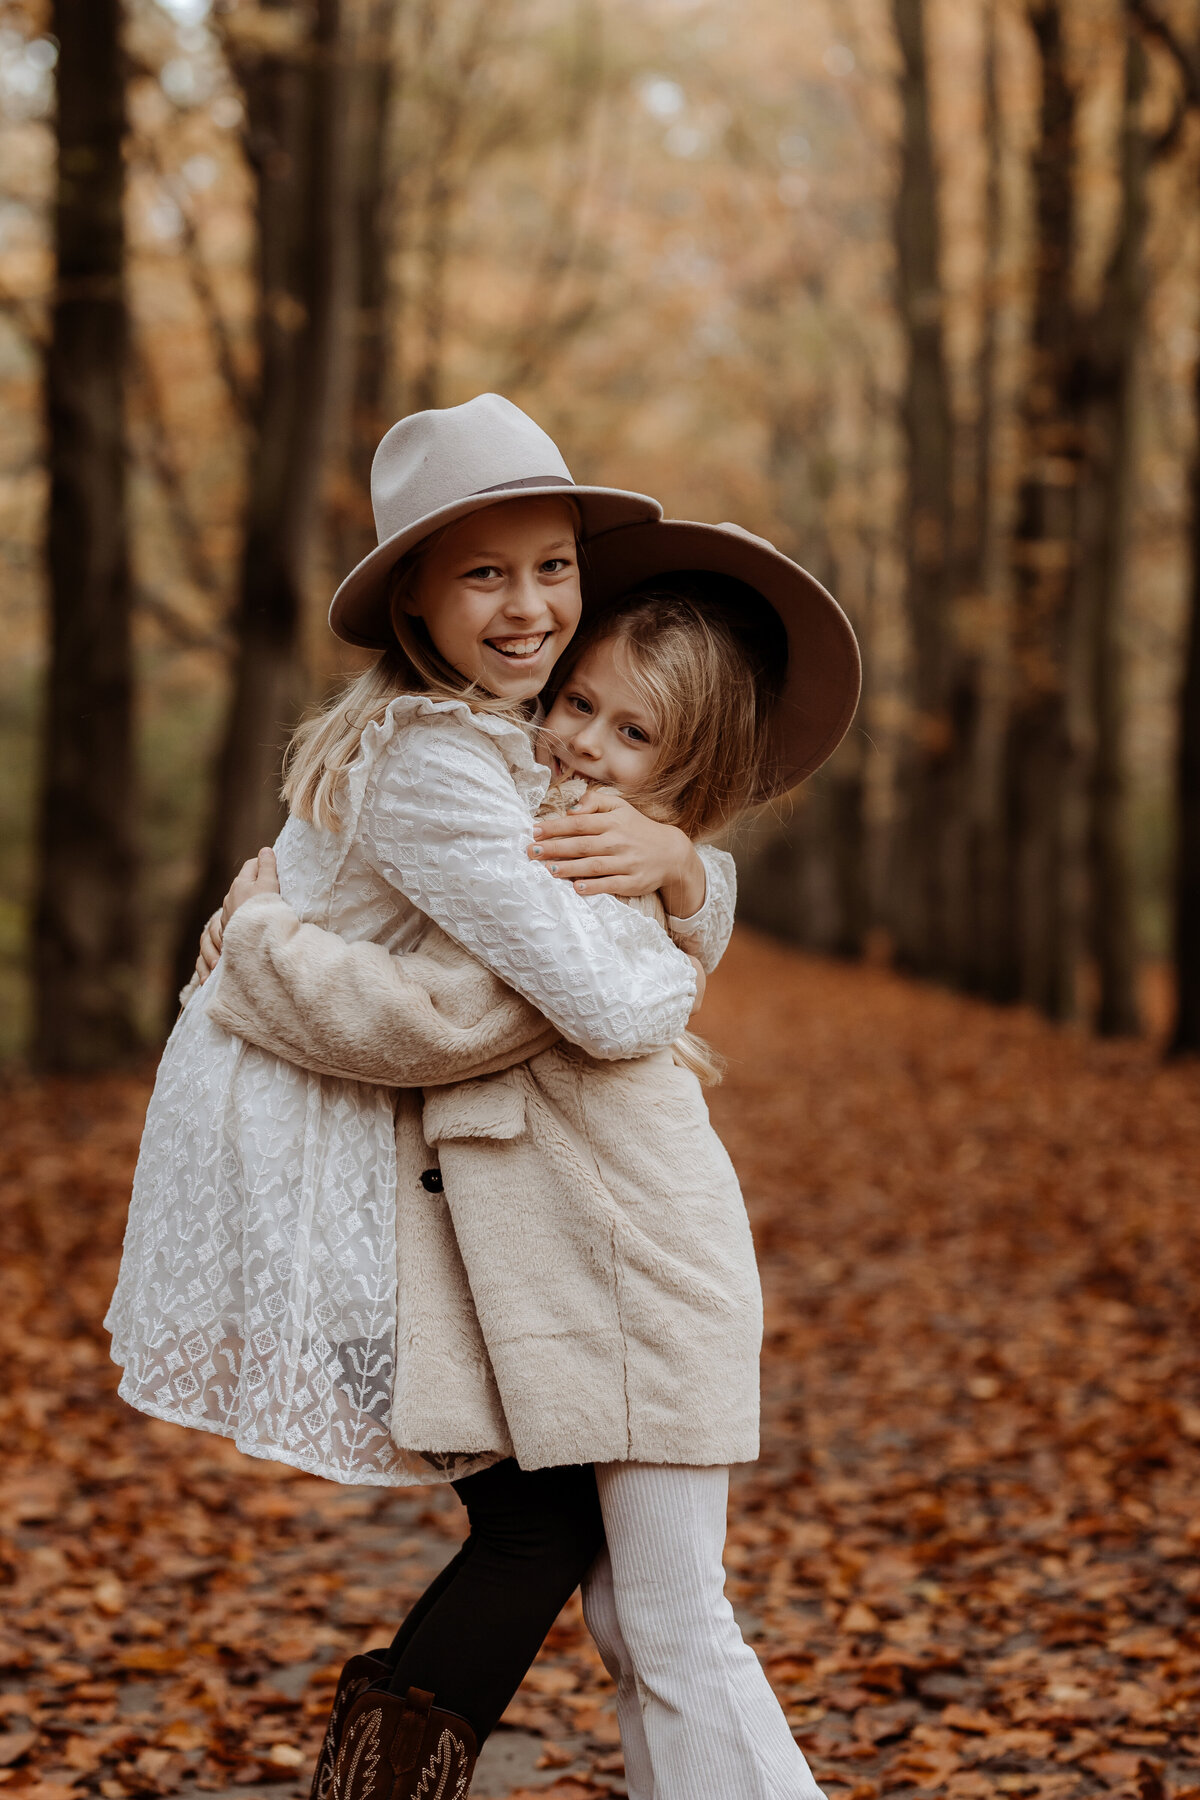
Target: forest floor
x=969 y=1555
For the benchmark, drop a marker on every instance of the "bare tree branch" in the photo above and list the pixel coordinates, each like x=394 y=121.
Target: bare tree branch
x=26 y=315
x=158 y=451
x=180 y=630
x=546 y=323
x=1186 y=60
x=148 y=151
x=446 y=183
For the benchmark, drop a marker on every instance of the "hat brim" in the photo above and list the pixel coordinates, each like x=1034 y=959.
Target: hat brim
x=823 y=679
x=359 y=612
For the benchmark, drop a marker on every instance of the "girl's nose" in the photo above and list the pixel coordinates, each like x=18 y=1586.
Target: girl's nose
x=522 y=598
x=585 y=739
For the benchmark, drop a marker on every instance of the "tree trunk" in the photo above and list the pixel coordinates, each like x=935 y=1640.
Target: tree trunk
x=452 y=48
x=1107 y=386
x=84 y=932
x=921 y=926
x=1038 y=960
x=806 y=879
x=978 y=865
x=1186 y=1036
x=373 y=204
x=296 y=117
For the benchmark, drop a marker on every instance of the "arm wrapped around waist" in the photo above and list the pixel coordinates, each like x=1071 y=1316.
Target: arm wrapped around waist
x=353 y=1010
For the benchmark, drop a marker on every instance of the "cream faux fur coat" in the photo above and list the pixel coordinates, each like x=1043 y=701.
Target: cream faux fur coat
x=583 y=1287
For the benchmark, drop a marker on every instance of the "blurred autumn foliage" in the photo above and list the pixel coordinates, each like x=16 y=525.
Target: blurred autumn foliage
x=968 y=1555
x=909 y=286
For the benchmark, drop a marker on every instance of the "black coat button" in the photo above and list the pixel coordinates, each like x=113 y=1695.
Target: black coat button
x=431 y=1181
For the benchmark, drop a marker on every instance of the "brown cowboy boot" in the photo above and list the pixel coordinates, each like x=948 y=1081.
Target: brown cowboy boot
x=403 y=1749
x=354 y=1680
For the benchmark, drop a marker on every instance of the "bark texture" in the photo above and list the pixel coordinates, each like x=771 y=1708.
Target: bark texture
x=1108 y=391
x=806 y=876
x=977 y=855
x=1038 y=958
x=921 y=923
x=1186 y=1038
x=293 y=84
x=373 y=81
x=84 y=934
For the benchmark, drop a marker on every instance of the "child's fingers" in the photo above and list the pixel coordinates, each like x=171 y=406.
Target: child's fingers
x=572 y=824
x=625 y=886
x=597 y=799
x=210 y=948
x=245 y=874
x=550 y=848
x=268 y=869
x=588 y=868
x=580 y=818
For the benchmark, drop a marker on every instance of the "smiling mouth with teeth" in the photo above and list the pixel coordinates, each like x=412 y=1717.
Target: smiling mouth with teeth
x=517 y=649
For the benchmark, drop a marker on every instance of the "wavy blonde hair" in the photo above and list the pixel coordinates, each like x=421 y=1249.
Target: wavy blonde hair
x=323 y=748
x=706 y=655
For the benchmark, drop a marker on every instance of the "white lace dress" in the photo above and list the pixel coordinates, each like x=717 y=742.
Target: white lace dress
x=257 y=1290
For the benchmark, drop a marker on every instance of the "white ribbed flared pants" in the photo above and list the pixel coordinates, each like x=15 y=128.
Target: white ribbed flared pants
x=698 y=1718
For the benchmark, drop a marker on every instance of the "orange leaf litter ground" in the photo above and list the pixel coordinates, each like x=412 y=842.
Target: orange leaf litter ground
x=968 y=1555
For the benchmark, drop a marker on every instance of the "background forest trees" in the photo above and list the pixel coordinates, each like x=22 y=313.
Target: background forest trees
x=912 y=291
x=83 y=937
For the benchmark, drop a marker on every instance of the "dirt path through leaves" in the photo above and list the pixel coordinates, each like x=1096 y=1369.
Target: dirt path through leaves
x=968 y=1555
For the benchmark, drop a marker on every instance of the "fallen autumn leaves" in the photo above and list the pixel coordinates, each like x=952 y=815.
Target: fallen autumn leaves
x=968 y=1552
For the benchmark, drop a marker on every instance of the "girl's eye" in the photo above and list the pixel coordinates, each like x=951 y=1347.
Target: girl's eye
x=637 y=734
x=487 y=572
x=554 y=565
x=578 y=702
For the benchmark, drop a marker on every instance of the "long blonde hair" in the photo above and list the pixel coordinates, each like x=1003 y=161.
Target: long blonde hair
x=323 y=748
x=707 y=656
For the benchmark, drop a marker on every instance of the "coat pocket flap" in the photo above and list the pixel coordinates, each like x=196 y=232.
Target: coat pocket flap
x=493 y=1107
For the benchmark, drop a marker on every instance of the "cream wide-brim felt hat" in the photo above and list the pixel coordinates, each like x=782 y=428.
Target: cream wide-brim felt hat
x=438 y=466
x=823 y=678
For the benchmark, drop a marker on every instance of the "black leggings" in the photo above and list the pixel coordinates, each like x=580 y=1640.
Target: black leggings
x=478 y=1626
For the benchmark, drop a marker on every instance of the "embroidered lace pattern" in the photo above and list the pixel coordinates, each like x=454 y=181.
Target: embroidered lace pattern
x=257 y=1293
x=708 y=931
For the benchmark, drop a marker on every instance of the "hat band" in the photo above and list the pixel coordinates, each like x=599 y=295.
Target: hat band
x=526 y=481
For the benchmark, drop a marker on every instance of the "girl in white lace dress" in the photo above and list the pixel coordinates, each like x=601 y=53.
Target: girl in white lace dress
x=256 y=1295
x=257 y=1291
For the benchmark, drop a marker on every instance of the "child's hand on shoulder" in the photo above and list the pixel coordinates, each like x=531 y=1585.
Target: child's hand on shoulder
x=257 y=875
x=606 y=846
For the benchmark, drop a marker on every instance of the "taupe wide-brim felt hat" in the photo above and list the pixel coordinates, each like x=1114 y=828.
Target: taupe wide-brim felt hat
x=822 y=676
x=438 y=466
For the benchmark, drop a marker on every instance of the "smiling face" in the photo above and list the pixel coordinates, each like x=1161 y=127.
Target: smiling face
x=499 y=594
x=600 y=724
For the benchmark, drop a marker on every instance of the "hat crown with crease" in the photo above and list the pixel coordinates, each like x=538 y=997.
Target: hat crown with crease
x=487 y=444
x=436 y=467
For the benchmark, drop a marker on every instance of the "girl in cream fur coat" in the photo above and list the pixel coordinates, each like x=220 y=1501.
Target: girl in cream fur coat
x=603 y=1244
x=603 y=1252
